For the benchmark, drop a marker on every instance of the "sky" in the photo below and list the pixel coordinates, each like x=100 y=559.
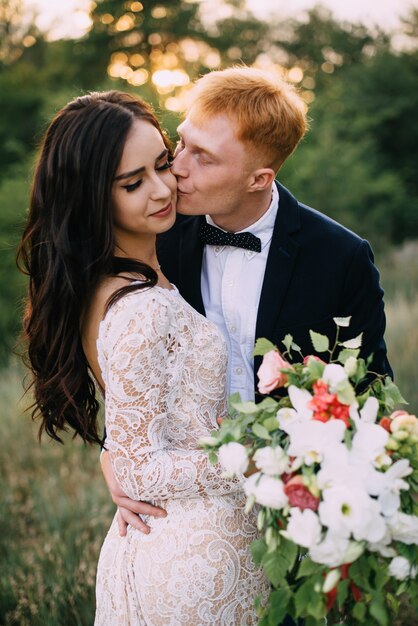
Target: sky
x=69 y=18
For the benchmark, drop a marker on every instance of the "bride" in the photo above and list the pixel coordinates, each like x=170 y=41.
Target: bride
x=100 y=308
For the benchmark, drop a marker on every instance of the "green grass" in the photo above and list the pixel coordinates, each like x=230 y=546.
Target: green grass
x=54 y=512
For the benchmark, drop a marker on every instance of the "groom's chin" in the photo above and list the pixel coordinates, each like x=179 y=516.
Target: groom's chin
x=184 y=207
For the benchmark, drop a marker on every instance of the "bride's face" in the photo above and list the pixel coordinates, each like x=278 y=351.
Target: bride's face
x=144 y=189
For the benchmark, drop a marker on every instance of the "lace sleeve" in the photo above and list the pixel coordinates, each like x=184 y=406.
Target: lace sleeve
x=137 y=356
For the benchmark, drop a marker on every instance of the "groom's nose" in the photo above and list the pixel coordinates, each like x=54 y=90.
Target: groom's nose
x=179 y=167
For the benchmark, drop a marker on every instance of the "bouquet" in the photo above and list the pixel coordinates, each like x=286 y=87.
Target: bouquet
x=333 y=469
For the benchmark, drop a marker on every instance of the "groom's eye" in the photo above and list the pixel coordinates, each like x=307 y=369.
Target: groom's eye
x=179 y=146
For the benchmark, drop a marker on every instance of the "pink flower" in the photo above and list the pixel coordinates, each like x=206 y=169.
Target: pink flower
x=269 y=374
x=313 y=356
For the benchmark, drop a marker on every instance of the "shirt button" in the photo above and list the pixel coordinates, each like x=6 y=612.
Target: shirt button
x=238 y=370
x=230 y=283
x=217 y=249
x=232 y=329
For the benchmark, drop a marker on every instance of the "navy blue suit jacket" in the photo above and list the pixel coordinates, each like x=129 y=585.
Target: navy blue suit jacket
x=316 y=270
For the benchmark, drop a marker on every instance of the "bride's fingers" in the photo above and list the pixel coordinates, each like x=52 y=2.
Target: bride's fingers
x=219 y=420
x=126 y=517
x=122 y=524
x=141 y=508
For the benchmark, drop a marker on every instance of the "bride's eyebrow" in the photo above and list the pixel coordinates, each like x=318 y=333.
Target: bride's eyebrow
x=139 y=170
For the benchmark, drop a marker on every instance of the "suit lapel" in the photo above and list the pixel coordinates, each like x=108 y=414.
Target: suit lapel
x=191 y=253
x=280 y=264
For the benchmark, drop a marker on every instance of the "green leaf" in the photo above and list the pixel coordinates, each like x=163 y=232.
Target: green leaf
x=342 y=592
x=360 y=572
x=213 y=457
x=316 y=369
x=342 y=321
x=245 y=407
x=392 y=394
x=269 y=405
x=378 y=610
x=346 y=354
x=319 y=342
x=354 y=343
x=275 y=568
x=346 y=393
x=271 y=424
x=359 y=611
x=278 y=603
x=287 y=342
x=306 y=598
x=262 y=346
x=307 y=568
x=289 y=552
x=261 y=431
x=258 y=550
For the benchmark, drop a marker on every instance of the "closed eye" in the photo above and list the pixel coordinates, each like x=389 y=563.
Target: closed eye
x=138 y=183
x=133 y=186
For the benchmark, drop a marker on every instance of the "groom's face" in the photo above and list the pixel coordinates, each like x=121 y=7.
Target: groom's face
x=212 y=167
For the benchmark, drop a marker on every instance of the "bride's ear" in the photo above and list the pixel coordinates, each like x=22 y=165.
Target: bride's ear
x=261 y=179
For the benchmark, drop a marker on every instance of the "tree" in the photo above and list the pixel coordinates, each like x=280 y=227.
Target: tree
x=163 y=44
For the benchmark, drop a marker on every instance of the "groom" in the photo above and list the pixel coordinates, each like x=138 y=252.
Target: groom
x=245 y=252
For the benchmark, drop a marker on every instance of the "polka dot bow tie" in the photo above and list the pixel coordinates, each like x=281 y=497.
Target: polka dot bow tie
x=213 y=236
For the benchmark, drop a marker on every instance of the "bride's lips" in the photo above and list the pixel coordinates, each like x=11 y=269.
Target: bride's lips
x=164 y=211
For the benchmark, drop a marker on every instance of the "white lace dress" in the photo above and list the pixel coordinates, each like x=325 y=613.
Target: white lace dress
x=164 y=367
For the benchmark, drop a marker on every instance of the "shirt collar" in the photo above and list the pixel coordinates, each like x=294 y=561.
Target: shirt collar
x=262 y=228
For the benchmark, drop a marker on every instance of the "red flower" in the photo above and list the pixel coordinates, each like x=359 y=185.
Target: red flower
x=299 y=495
x=331 y=598
x=332 y=595
x=385 y=423
x=326 y=405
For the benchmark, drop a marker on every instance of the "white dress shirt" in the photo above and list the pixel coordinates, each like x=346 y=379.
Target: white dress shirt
x=231 y=284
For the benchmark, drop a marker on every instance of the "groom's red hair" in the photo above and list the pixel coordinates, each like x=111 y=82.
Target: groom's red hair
x=268 y=111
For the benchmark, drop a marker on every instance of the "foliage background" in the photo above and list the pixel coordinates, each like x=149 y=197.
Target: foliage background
x=357 y=164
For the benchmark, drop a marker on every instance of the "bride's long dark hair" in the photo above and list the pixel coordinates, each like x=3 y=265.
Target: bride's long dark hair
x=67 y=246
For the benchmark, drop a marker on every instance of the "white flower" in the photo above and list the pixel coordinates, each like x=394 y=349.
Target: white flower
x=404 y=528
x=310 y=440
x=368 y=413
x=400 y=568
x=387 y=485
x=303 y=527
x=300 y=399
x=337 y=470
x=234 y=458
x=333 y=375
x=383 y=546
x=267 y=491
x=368 y=443
x=348 y=510
x=335 y=551
x=271 y=461
x=286 y=418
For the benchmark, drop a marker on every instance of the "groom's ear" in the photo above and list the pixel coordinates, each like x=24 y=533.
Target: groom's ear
x=261 y=179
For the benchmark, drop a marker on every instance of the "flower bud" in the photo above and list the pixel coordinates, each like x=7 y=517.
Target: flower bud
x=261 y=519
x=400 y=435
x=350 y=366
x=392 y=444
x=331 y=580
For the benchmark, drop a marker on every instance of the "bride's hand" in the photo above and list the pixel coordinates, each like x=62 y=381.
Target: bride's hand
x=128 y=510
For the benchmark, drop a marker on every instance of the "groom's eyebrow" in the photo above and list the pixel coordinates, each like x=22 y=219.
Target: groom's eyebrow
x=196 y=147
x=139 y=170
